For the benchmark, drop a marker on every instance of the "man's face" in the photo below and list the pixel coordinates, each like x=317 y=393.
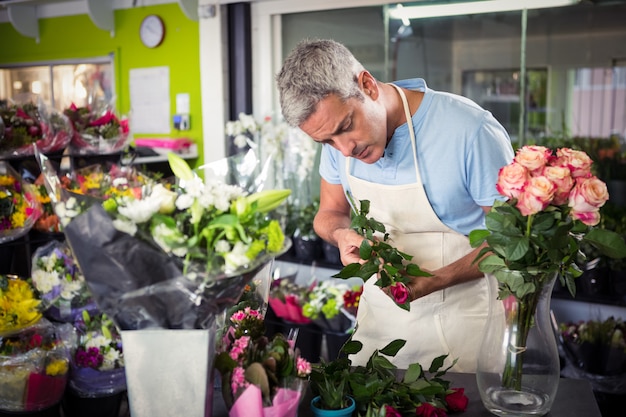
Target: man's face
x=354 y=127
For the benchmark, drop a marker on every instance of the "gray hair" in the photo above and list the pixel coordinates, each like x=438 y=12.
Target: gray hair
x=313 y=70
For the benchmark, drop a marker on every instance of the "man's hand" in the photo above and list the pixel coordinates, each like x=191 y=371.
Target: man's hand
x=348 y=242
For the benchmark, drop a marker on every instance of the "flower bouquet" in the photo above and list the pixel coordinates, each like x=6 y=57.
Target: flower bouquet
x=325 y=306
x=260 y=376
x=97 y=129
x=287 y=299
x=55 y=272
x=29 y=124
x=101 y=181
x=553 y=205
x=19 y=208
x=20 y=304
x=34 y=367
x=163 y=266
x=380 y=389
x=97 y=365
x=596 y=346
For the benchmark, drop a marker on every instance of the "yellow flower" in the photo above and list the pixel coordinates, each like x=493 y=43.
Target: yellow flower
x=6 y=180
x=18 y=305
x=57 y=367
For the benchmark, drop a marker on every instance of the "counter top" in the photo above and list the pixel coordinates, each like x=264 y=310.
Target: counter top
x=574 y=398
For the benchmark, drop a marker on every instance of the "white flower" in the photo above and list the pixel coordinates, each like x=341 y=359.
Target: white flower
x=97 y=340
x=170 y=240
x=125 y=226
x=240 y=141
x=222 y=246
x=165 y=198
x=45 y=281
x=109 y=358
x=237 y=257
x=69 y=289
x=247 y=122
x=140 y=211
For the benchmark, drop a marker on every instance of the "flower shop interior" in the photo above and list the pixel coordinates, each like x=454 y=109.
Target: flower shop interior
x=196 y=78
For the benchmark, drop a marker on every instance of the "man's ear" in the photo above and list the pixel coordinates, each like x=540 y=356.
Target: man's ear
x=368 y=84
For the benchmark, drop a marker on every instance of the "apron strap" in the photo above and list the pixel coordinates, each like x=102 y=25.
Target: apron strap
x=409 y=121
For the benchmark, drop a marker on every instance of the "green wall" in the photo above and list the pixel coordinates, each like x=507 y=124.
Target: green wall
x=78 y=37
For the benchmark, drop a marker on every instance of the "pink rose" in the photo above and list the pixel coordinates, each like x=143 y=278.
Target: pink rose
x=457 y=400
x=563 y=180
x=533 y=157
x=399 y=292
x=391 y=412
x=537 y=195
x=511 y=180
x=303 y=367
x=590 y=218
x=578 y=162
x=429 y=410
x=588 y=194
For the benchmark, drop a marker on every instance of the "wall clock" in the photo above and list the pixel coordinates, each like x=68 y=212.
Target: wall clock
x=152 y=31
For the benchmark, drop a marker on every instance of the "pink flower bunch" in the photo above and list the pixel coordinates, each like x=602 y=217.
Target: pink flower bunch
x=246 y=356
x=538 y=178
x=89 y=358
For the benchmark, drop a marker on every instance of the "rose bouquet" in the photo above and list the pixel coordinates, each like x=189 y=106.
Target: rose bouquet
x=54 y=272
x=97 y=129
x=390 y=266
x=19 y=208
x=29 y=124
x=34 y=366
x=552 y=206
x=260 y=376
x=380 y=389
x=97 y=365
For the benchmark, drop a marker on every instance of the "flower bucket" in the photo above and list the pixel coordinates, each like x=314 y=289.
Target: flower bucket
x=320 y=412
x=169 y=372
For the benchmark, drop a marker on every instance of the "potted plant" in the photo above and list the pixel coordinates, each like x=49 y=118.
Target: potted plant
x=379 y=388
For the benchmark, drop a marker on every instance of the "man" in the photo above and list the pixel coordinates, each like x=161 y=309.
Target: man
x=428 y=163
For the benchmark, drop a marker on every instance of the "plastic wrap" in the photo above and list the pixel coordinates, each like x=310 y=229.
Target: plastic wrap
x=97 y=129
x=19 y=208
x=31 y=124
x=34 y=366
x=55 y=272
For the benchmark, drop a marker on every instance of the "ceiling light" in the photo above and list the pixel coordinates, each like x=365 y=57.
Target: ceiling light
x=472 y=7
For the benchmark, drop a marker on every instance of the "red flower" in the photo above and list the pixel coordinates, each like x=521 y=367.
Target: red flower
x=391 y=412
x=399 y=292
x=429 y=410
x=107 y=118
x=457 y=400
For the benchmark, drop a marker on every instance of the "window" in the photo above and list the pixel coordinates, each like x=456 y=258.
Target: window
x=58 y=84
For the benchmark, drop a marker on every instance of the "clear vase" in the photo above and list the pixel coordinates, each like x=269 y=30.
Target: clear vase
x=518 y=364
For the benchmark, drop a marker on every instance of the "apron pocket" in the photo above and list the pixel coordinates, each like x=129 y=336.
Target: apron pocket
x=461 y=337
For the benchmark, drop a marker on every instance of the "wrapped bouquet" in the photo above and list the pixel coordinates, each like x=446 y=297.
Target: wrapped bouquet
x=97 y=129
x=325 y=306
x=34 y=366
x=19 y=208
x=260 y=376
x=30 y=124
x=97 y=365
x=55 y=272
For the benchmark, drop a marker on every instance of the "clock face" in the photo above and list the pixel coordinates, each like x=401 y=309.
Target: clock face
x=152 y=31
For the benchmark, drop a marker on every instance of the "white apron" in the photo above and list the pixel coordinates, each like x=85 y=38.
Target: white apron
x=448 y=321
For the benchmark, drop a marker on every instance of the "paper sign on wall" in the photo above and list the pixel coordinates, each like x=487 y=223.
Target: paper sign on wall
x=150 y=100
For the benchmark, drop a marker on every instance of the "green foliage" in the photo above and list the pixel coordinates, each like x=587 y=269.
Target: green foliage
x=390 y=265
x=378 y=383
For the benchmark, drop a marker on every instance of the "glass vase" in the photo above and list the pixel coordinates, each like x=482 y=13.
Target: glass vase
x=518 y=364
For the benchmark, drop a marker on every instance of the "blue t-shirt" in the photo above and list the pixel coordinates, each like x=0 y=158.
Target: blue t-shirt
x=460 y=150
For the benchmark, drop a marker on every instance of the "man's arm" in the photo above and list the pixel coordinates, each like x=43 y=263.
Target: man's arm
x=332 y=222
x=460 y=271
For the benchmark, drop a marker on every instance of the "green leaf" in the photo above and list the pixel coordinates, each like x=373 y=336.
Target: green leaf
x=477 y=237
x=393 y=347
x=517 y=248
x=268 y=200
x=491 y=263
x=608 y=242
x=415 y=271
x=437 y=363
x=348 y=271
x=352 y=346
x=365 y=251
x=179 y=167
x=413 y=373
